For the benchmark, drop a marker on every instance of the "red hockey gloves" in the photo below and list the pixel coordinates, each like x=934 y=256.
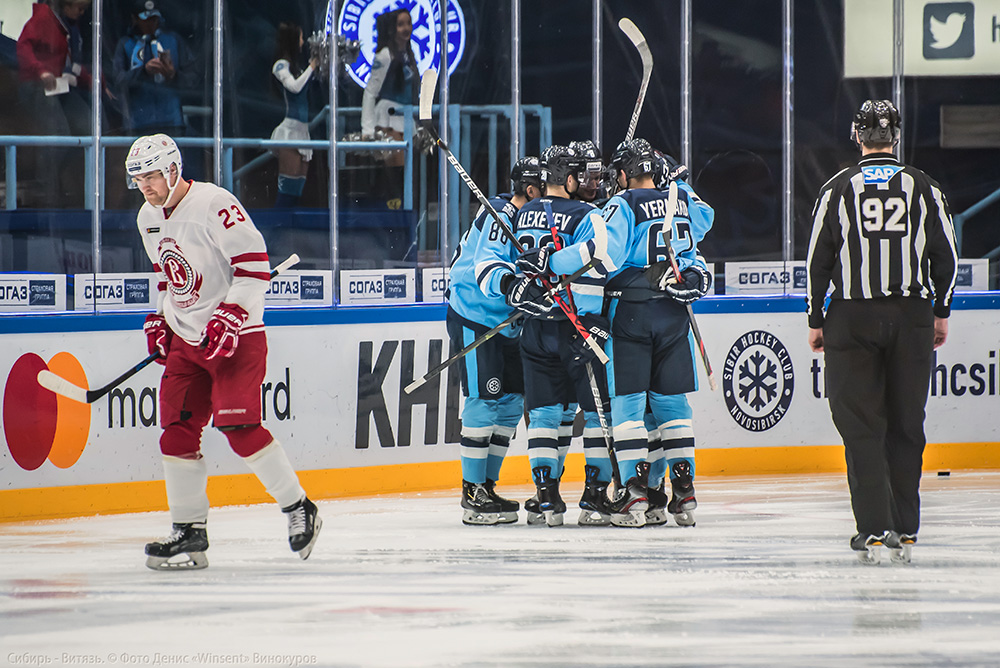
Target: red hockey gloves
x=223 y=330
x=535 y=261
x=526 y=294
x=158 y=336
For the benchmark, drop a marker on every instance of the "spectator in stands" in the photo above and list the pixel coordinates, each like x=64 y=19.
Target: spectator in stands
x=293 y=164
x=55 y=86
x=150 y=66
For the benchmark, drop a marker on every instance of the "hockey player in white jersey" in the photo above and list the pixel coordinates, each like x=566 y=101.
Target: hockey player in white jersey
x=213 y=271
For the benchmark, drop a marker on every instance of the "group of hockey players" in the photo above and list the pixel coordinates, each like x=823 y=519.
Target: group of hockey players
x=603 y=282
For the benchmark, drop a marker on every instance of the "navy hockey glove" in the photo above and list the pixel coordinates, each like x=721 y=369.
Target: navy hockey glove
x=158 y=336
x=695 y=283
x=526 y=294
x=599 y=328
x=535 y=261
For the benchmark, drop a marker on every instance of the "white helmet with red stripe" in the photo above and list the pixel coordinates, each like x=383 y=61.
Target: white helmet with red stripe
x=150 y=154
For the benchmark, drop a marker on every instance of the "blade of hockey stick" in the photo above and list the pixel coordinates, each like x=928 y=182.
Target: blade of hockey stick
x=63 y=387
x=638 y=39
x=486 y=336
x=671 y=209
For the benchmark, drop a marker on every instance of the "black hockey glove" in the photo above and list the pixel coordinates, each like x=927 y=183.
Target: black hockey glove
x=535 y=261
x=694 y=284
x=599 y=328
x=526 y=294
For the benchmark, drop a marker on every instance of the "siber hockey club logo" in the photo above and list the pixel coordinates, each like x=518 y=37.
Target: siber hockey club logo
x=182 y=280
x=357 y=22
x=758 y=381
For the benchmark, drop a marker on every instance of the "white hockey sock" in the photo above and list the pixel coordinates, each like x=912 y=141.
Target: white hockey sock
x=272 y=468
x=186 y=481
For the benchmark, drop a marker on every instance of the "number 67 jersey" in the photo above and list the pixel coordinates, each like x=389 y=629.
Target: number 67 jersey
x=643 y=212
x=205 y=251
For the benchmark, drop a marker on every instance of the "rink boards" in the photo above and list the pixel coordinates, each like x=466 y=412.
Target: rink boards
x=333 y=396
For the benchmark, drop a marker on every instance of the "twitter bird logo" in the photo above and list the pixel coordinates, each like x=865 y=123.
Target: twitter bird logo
x=948 y=30
x=946 y=33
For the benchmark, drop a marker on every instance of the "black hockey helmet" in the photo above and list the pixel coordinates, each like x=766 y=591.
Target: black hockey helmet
x=876 y=122
x=667 y=170
x=526 y=172
x=586 y=149
x=635 y=158
x=558 y=162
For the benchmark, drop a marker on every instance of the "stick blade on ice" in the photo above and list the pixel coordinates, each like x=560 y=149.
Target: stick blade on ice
x=61 y=386
x=428 y=82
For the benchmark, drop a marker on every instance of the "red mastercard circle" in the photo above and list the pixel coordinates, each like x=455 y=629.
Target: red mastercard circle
x=29 y=413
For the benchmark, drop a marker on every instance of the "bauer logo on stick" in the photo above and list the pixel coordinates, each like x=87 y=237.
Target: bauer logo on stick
x=357 y=22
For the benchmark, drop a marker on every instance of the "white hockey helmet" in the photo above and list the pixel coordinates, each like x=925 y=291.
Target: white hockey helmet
x=153 y=153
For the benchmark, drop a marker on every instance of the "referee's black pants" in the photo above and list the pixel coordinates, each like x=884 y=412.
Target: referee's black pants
x=879 y=354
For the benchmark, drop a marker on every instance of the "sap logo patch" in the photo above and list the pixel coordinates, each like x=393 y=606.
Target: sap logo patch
x=880 y=174
x=948 y=30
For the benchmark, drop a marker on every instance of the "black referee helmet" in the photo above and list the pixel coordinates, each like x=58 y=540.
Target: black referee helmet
x=876 y=122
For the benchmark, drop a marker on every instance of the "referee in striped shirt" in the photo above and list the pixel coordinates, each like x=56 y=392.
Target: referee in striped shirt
x=882 y=234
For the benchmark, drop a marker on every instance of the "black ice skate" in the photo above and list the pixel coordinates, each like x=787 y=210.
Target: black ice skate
x=594 y=504
x=656 y=514
x=508 y=507
x=304 y=524
x=550 y=504
x=900 y=552
x=867 y=546
x=477 y=506
x=628 y=508
x=183 y=549
x=533 y=512
x=683 y=502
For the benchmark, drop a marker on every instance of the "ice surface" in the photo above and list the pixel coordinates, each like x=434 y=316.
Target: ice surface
x=765 y=579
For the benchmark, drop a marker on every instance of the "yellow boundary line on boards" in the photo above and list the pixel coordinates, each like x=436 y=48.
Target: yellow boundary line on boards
x=128 y=497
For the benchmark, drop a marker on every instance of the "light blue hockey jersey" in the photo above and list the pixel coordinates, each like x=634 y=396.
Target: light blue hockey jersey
x=480 y=254
x=584 y=236
x=641 y=213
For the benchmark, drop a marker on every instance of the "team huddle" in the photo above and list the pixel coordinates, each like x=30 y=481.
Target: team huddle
x=604 y=292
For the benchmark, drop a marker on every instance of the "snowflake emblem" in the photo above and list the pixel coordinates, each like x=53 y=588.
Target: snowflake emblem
x=757 y=380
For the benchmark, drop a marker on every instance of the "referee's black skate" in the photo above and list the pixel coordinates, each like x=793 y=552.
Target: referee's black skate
x=682 y=503
x=304 y=524
x=183 y=549
x=628 y=508
x=900 y=553
x=550 y=504
x=477 y=506
x=508 y=507
x=868 y=546
x=595 y=507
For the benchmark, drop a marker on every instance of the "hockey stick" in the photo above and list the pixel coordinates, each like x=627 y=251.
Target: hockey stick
x=486 y=336
x=595 y=390
x=672 y=207
x=636 y=37
x=428 y=82
x=63 y=387
x=645 y=55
